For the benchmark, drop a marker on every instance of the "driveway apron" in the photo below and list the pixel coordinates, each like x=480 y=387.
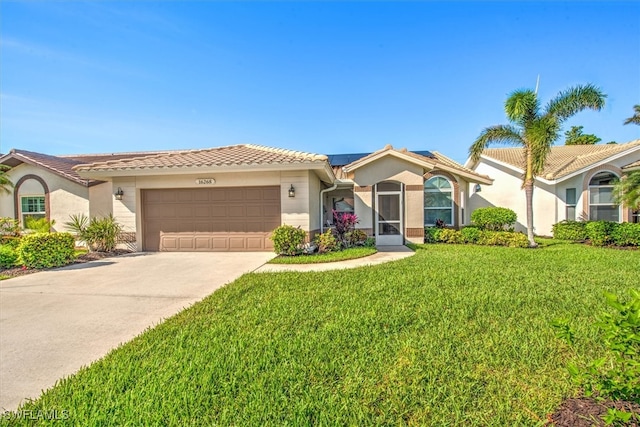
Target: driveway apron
x=54 y=322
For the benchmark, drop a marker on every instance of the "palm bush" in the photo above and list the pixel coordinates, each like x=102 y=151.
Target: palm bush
x=100 y=234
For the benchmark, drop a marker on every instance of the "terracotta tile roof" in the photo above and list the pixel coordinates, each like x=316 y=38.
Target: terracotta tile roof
x=634 y=165
x=233 y=155
x=563 y=159
x=58 y=165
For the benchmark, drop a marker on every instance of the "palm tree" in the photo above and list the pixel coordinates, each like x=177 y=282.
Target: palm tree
x=536 y=130
x=5 y=183
x=635 y=119
x=627 y=191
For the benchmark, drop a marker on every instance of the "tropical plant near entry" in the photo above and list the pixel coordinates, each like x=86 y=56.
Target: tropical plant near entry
x=627 y=191
x=100 y=234
x=38 y=225
x=635 y=119
x=5 y=183
x=536 y=130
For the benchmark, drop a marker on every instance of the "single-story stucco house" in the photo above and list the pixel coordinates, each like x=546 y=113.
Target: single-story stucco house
x=231 y=198
x=576 y=183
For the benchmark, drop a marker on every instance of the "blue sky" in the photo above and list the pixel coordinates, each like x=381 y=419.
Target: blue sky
x=325 y=77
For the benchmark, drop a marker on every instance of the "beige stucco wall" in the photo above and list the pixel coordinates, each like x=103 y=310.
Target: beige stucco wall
x=295 y=210
x=314 y=202
x=65 y=197
x=549 y=200
x=390 y=168
x=100 y=200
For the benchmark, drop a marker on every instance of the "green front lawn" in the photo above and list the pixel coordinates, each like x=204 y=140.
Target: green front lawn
x=344 y=255
x=455 y=335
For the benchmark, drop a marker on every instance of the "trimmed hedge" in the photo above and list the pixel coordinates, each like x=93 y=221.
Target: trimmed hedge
x=288 y=240
x=570 y=230
x=8 y=256
x=476 y=236
x=494 y=218
x=599 y=233
x=44 y=250
x=626 y=234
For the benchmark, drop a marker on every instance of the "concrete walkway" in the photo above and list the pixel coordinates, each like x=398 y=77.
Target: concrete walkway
x=54 y=322
x=384 y=254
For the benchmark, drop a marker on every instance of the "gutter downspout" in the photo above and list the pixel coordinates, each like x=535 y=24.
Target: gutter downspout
x=322 y=192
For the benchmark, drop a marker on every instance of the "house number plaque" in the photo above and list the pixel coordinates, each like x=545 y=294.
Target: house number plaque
x=205 y=181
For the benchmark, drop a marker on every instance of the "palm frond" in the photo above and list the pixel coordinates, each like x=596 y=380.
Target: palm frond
x=540 y=136
x=499 y=134
x=522 y=106
x=635 y=119
x=5 y=183
x=574 y=100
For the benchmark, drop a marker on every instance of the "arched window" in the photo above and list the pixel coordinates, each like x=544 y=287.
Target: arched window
x=438 y=201
x=601 y=205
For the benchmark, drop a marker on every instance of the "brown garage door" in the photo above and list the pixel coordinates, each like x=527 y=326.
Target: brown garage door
x=210 y=219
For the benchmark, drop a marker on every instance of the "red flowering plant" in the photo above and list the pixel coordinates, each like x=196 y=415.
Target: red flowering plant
x=344 y=223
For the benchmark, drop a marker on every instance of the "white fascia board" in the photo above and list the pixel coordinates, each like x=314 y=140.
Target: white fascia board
x=105 y=174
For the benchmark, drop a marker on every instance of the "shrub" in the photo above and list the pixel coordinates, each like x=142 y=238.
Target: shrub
x=344 y=223
x=8 y=256
x=326 y=242
x=493 y=218
x=287 y=240
x=503 y=238
x=626 y=234
x=448 y=235
x=370 y=242
x=432 y=234
x=44 y=250
x=570 y=230
x=599 y=232
x=470 y=234
x=38 y=225
x=616 y=375
x=100 y=234
x=9 y=230
x=356 y=237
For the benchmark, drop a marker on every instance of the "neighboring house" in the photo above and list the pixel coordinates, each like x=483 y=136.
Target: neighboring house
x=231 y=198
x=576 y=183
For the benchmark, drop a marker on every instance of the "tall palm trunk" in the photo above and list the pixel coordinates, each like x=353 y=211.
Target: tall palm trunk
x=528 y=193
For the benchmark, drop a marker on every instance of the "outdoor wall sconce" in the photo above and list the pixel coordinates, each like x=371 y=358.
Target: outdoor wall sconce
x=119 y=194
x=292 y=191
x=477 y=188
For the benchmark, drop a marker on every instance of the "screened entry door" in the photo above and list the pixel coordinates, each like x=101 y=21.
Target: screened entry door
x=389 y=216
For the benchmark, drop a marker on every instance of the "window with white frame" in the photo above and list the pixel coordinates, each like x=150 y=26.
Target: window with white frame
x=601 y=204
x=570 y=200
x=32 y=206
x=438 y=201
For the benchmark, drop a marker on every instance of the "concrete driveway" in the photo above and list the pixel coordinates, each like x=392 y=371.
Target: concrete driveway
x=52 y=323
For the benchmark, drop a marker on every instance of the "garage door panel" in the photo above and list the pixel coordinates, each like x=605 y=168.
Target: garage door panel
x=185 y=196
x=253 y=195
x=186 y=243
x=169 y=196
x=237 y=211
x=270 y=211
x=203 y=227
x=210 y=219
x=219 y=211
x=254 y=211
x=184 y=211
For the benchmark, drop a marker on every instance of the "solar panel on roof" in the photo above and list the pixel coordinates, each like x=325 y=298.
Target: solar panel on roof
x=345 y=159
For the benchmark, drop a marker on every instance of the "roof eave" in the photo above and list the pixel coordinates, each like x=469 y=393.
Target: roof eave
x=363 y=162
x=322 y=167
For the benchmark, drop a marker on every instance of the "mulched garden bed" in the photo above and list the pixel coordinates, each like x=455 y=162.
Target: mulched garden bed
x=587 y=412
x=89 y=256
